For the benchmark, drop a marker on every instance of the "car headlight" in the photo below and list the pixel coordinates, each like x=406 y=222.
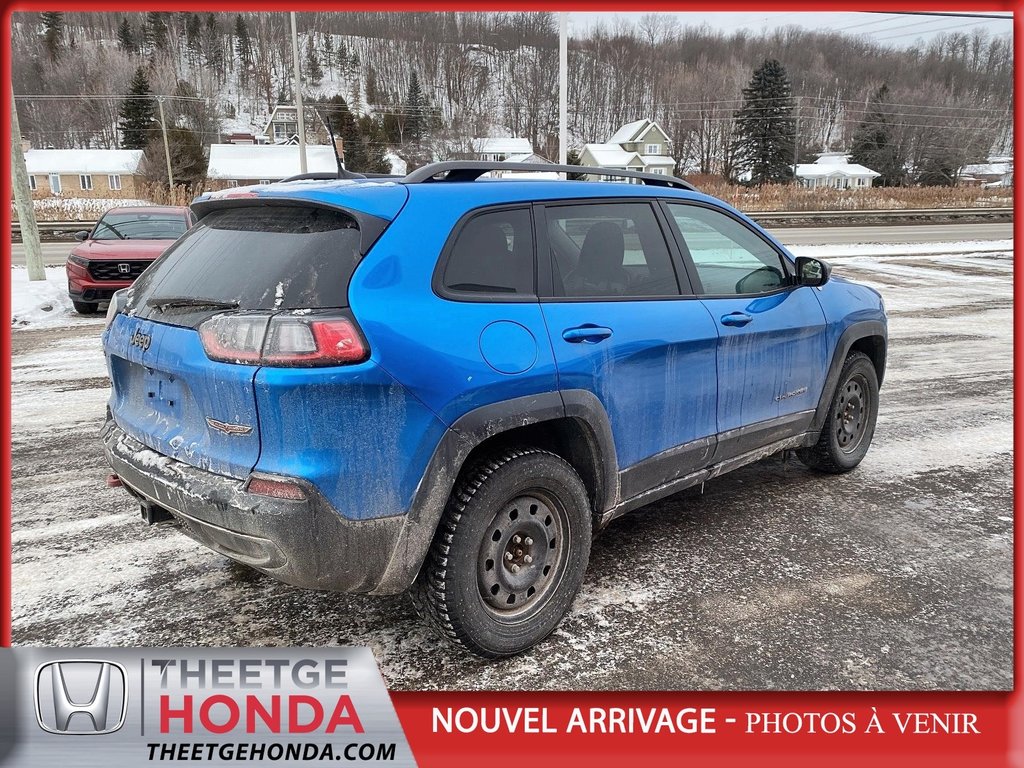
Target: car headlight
x=78 y=260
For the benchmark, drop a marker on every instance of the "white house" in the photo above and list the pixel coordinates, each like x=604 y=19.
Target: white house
x=834 y=169
x=233 y=165
x=83 y=172
x=997 y=172
x=531 y=158
x=638 y=146
x=501 y=149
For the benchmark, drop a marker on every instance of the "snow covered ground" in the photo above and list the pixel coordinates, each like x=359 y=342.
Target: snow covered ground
x=42 y=304
x=898 y=576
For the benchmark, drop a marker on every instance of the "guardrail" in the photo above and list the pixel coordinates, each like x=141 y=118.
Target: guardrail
x=884 y=216
x=778 y=218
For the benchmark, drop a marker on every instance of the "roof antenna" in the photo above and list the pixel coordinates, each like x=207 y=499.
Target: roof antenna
x=334 y=144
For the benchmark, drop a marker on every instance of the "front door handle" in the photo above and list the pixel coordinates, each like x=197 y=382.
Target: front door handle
x=587 y=334
x=736 y=319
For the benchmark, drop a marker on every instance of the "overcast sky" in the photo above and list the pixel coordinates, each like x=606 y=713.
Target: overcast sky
x=883 y=28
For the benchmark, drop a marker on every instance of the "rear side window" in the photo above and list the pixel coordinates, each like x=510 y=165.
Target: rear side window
x=492 y=254
x=614 y=250
x=253 y=258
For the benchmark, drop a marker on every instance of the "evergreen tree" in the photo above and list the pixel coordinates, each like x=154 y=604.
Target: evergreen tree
x=126 y=39
x=136 y=115
x=193 y=37
x=765 y=128
x=344 y=127
x=572 y=157
x=314 y=72
x=156 y=34
x=342 y=57
x=874 y=142
x=213 y=47
x=416 y=109
x=328 y=45
x=188 y=162
x=940 y=167
x=53 y=33
x=372 y=95
x=243 y=43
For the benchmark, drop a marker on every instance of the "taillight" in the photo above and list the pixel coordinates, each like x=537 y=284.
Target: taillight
x=283 y=340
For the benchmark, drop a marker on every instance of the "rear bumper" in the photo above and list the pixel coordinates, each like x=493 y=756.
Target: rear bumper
x=303 y=543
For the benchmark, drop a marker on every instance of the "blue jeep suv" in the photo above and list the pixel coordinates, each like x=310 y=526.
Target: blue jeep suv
x=447 y=384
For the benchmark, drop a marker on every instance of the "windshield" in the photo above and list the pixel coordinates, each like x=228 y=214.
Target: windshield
x=252 y=258
x=139 y=226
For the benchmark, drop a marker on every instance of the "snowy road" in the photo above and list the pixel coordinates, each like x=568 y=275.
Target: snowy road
x=897 y=576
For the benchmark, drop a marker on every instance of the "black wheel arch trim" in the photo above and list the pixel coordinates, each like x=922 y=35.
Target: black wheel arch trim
x=862 y=329
x=472 y=430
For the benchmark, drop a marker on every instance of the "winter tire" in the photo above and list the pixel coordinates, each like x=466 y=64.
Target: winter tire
x=509 y=554
x=850 y=423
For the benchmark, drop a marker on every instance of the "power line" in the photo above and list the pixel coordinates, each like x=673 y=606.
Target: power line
x=946 y=13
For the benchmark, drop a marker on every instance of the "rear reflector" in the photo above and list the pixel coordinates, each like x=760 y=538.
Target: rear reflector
x=277 y=489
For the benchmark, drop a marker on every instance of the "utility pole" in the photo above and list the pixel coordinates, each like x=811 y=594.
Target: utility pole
x=563 y=90
x=298 y=97
x=796 y=141
x=167 y=148
x=23 y=201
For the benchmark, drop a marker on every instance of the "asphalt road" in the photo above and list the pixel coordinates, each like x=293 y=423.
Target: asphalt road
x=54 y=254
x=897 y=576
x=912 y=233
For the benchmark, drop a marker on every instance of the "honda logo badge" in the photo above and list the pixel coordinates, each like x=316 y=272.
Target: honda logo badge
x=81 y=697
x=124 y=269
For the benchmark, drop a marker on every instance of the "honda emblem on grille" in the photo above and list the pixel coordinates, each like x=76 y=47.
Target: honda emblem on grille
x=96 y=691
x=124 y=269
x=229 y=429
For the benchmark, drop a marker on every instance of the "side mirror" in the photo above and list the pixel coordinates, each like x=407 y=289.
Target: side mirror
x=82 y=236
x=812 y=272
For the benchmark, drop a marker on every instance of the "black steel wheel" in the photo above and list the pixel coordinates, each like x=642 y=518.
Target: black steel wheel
x=850 y=422
x=522 y=560
x=509 y=554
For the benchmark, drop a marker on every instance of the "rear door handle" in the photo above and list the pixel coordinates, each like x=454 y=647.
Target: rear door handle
x=587 y=334
x=736 y=319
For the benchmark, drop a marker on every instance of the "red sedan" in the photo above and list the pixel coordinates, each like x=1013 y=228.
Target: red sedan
x=122 y=244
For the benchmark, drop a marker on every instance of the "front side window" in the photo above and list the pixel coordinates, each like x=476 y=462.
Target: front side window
x=493 y=254
x=609 y=250
x=731 y=260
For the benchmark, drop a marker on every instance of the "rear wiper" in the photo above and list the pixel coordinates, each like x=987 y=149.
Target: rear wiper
x=172 y=302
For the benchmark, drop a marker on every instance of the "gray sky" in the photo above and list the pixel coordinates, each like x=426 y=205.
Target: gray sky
x=885 y=29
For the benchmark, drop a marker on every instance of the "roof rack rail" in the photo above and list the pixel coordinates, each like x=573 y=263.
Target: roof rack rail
x=471 y=170
x=342 y=174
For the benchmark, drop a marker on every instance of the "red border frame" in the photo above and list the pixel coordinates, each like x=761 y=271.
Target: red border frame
x=1002 y=744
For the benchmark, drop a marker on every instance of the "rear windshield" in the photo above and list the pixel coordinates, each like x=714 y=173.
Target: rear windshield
x=252 y=258
x=139 y=226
